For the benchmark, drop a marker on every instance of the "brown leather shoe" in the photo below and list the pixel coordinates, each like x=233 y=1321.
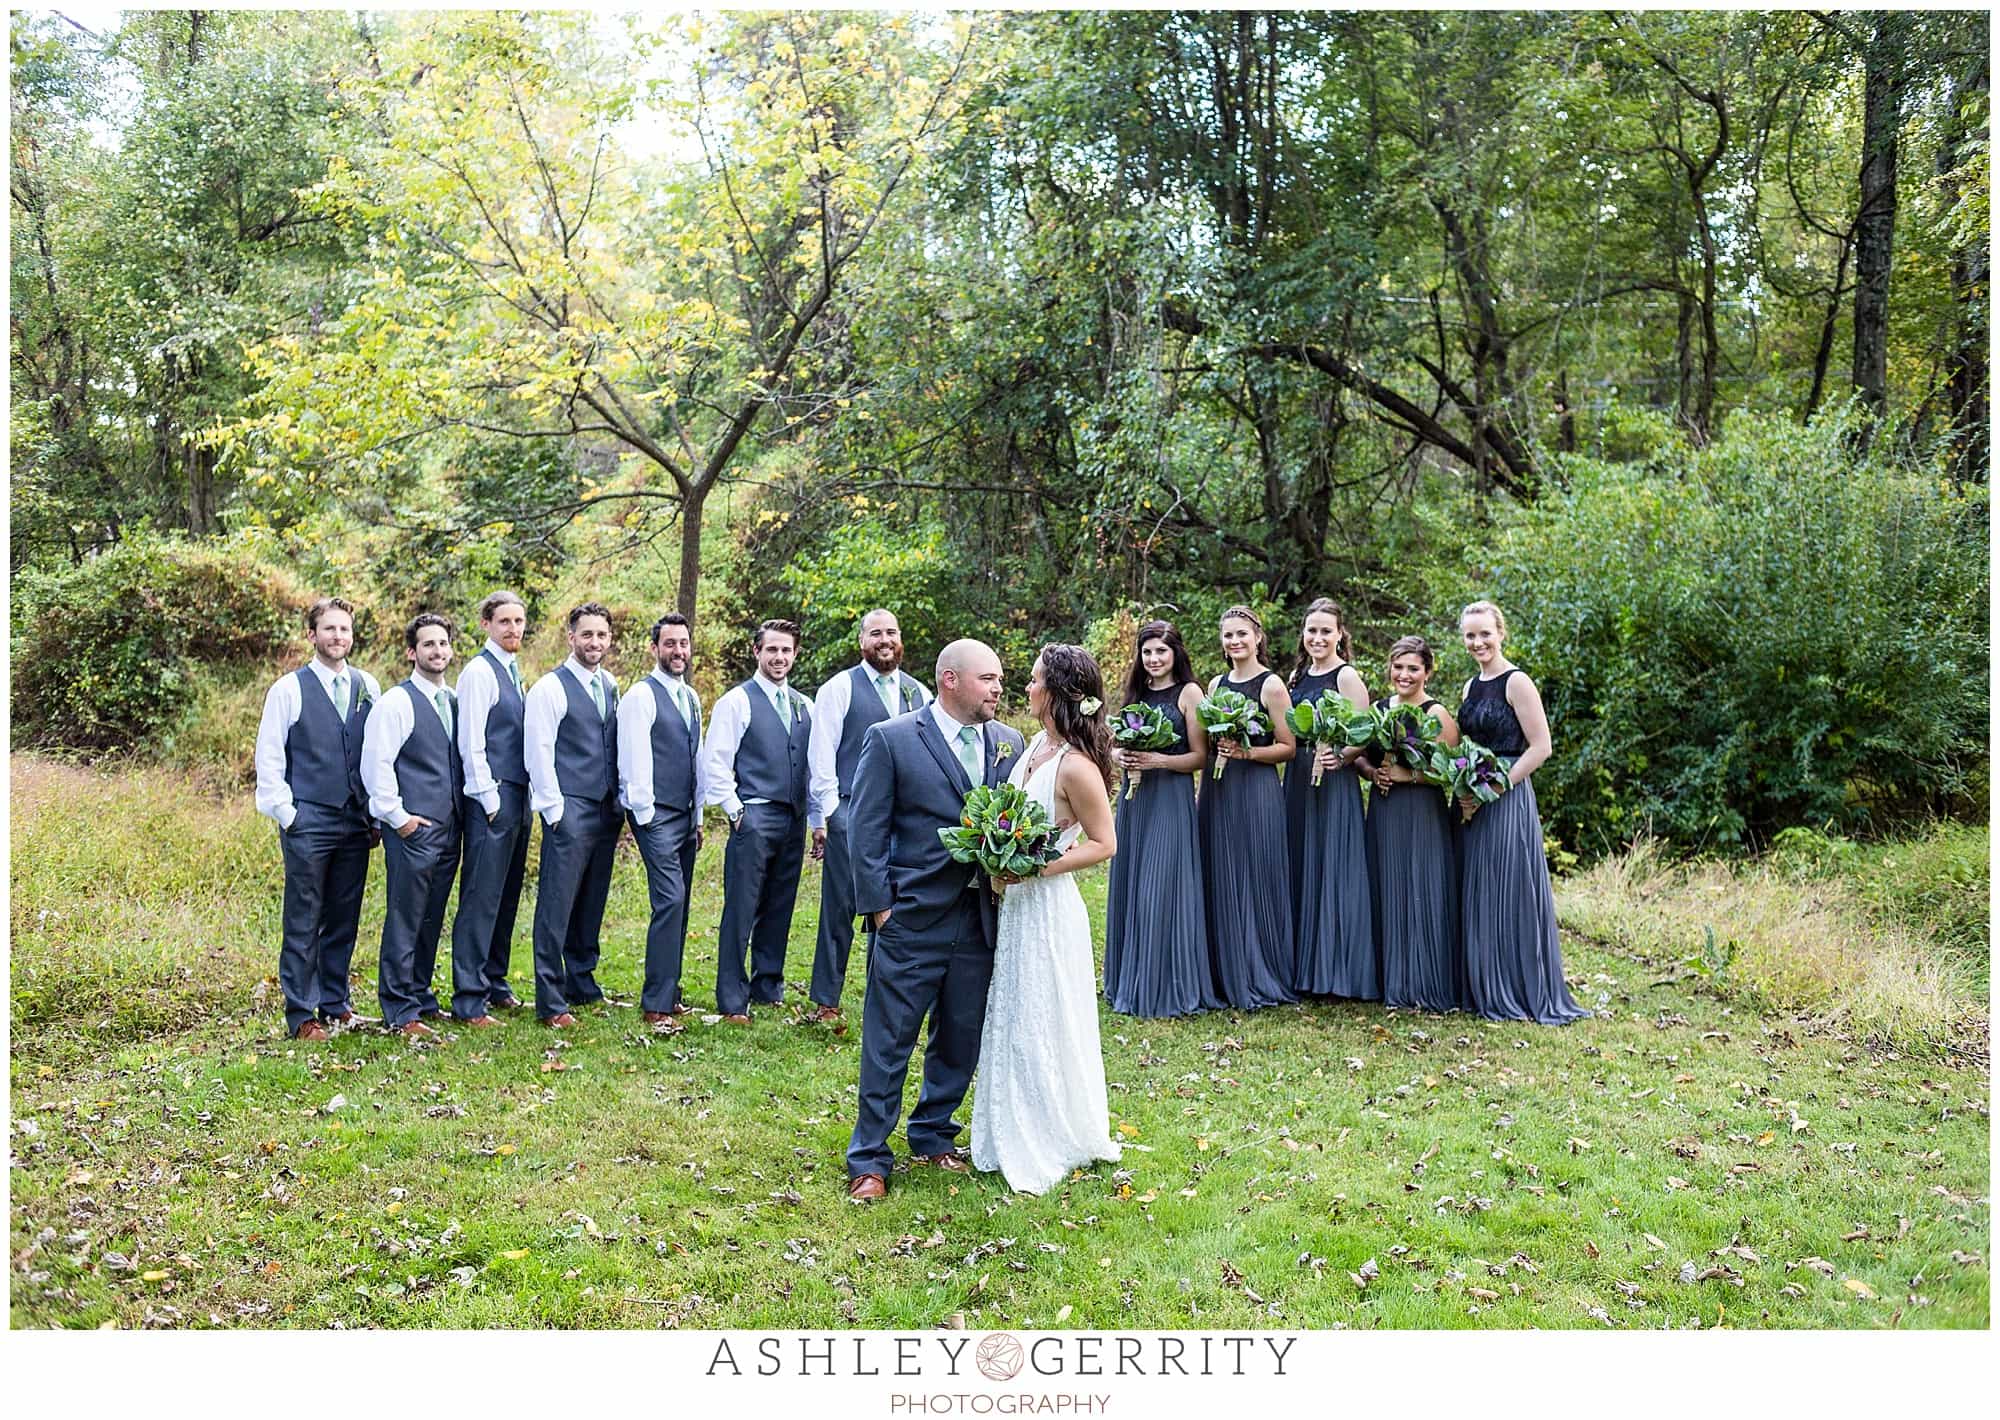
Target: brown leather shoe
x=661 y=1018
x=414 y=1029
x=476 y=1022
x=560 y=1022
x=310 y=1031
x=741 y=1019
x=682 y=1008
x=344 y=1020
x=825 y=1016
x=949 y=1162
x=505 y=1003
x=867 y=1187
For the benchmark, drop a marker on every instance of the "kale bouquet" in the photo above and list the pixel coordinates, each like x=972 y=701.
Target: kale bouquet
x=1003 y=831
x=1407 y=734
x=1332 y=719
x=1471 y=770
x=1230 y=714
x=1144 y=727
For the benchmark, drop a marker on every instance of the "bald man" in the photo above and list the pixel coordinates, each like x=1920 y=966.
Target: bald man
x=935 y=920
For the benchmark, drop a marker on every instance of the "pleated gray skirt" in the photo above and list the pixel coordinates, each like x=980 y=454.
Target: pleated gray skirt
x=1246 y=876
x=1336 y=951
x=1513 y=957
x=1155 y=920
x=1413 y=871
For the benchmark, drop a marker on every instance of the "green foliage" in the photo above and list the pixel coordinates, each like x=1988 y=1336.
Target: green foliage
x=1773 y=631
x=105 y=655
x=875 y=560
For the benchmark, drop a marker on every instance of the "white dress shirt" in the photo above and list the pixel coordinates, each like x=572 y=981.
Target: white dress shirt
x=478 y=693
x=830 y=709
x=282 y=705
x=635 y=742
x=390 y=725
x=727 y=723
x=548 y=702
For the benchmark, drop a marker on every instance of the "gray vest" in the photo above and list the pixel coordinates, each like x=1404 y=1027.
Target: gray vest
x=769 y=763
x=587 y=750
x=427 y=767
x=864 y=708
x=504 y=753
x=323 y=751
x=675 y=745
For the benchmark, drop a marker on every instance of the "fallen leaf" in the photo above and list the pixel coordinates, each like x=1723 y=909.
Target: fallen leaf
x=1859 y=1288
x=515 y=1254
x=1652 y=1241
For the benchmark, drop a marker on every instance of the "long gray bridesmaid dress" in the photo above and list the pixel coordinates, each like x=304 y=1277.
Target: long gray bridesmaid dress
x=1246 y=875
x=1155 y=924
x=1513 y=957
x=1413 y=871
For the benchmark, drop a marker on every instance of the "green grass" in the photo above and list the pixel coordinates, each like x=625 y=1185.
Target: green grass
x=181 y=1166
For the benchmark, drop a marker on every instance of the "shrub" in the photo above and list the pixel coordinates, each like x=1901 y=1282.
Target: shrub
x=107 y=654
x=1773 y=631
x=866 y=563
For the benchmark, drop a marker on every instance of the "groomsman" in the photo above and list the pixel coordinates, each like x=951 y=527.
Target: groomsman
x=877 y=689
x=756 y=766
x=659 y=779
x=571 y=735
x=309 y=781
x=410 y=765
x=492 y=704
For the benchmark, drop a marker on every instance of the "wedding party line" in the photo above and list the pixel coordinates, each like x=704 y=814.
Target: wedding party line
x=1248 y=867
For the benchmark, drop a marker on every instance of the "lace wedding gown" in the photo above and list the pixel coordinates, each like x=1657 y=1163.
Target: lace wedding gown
x=1039 y=1107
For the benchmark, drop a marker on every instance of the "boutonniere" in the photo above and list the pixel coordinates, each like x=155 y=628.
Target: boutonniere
x=1004 y=750
x=367 y=695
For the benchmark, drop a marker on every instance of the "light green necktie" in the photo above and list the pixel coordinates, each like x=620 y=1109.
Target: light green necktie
x=785 y=709
x=597 y=694
x=340 y=694
x=885 y=686
x=444 y=711
x=514 y=670
x=679 y=693
x=968 y=753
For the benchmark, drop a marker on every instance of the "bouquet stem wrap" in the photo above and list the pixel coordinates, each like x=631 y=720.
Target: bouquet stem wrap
x=1140 y=726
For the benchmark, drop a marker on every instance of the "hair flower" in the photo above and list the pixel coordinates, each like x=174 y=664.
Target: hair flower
x=1090 y=705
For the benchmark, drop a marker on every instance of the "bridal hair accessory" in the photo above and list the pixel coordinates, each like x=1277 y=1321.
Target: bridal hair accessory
x=1089 y=705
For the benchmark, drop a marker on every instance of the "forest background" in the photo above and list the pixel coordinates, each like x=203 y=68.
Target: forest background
x=1666 y=331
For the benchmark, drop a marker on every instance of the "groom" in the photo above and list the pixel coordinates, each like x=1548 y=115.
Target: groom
x=935 y=918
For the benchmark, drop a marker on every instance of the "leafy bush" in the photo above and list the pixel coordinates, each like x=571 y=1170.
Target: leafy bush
x=867 y=563
x=107 y=654
x=1773 y=631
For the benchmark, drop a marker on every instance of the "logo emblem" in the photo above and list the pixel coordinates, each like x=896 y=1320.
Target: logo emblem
x=999 y=1357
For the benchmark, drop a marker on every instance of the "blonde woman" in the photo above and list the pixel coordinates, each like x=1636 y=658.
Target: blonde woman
x=1513 y=958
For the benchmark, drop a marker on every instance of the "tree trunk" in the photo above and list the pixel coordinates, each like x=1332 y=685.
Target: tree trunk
x=1823 y=355
x=1875 y=227
x=692 y=499
x=1966 y=374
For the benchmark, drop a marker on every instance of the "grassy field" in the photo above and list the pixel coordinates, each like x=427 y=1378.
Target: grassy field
x=1678 y=1160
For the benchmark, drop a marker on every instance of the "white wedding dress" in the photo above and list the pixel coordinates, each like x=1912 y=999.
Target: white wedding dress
x=1039 y=1107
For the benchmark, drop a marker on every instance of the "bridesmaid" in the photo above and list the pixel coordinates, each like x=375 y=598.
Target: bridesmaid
x=1326 y=835
x=1412 y=862
x=1155 y=928
x=1245 y=874
x=1513 y=959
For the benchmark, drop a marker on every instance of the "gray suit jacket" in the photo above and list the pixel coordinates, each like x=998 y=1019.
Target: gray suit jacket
x=908 y=785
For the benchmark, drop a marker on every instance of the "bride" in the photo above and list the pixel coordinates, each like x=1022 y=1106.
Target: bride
x=1039 y=1109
